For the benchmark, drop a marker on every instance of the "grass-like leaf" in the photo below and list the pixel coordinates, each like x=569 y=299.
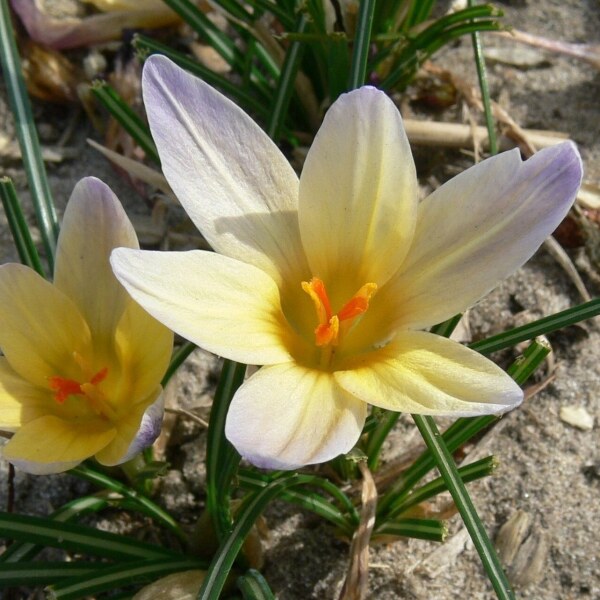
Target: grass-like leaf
x=464 y=504
x=286 y=82
x=126 y=117
x=254 y=586
x=543 y=326
x=78 y=538
x=24 y=551
x=468 y=473
x=27 y=135
x=346 y=517
x=119 y=576
x=221 y=457
x=250 y=510
x=26 y=249
x=422 y=529
x=362 y=43
x=141 y=502
x=42 y=573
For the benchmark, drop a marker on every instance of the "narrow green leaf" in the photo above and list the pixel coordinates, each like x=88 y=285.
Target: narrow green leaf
x=27 y=134
x=361 y=46
x=422 y=529
x=468 y=473
x=28 y=253
x=143 y=503
x=378 y=436
x=42 y=573
x=464 y=504
x=286 y=81
x=121 y=575
x=207 y=30
x=346 y=518
x=254 y=586
x=221 y=457
x=178 y=358
x=543 y=326
x=126 y=117
x=250 y=510
x=484 y=87
x=78 y=538
x=23 y=551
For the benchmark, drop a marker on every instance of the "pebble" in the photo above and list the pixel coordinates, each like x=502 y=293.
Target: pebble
x=577 y=416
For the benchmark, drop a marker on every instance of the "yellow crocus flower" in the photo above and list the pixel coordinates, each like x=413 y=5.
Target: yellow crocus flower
x=82 y=364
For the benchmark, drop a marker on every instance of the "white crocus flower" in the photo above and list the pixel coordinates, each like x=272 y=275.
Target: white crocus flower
x=329 y=280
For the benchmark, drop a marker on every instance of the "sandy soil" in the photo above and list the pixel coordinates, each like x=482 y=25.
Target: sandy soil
x=549 y=470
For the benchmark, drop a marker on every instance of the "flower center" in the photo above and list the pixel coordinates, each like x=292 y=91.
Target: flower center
x=64 y=387
x=333 y=327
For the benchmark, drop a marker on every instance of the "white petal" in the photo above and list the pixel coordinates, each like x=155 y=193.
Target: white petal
x=232 y=180
x=427 y=374
x=286 y=416
x=479 y=228
x=225 y=306
x=358 y=191
x=94 y=224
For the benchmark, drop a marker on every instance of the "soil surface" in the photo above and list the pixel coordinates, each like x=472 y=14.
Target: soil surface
x=549 y=474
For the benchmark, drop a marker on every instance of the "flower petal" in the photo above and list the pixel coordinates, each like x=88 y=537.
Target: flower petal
x=427 y=374
x=232 y=180
x=40 y=327
x=143 y=348
x=225 y=306
x=358 y=191
x=479 y=228
x=286 y=416
x=20 y=401
x=135 y=431
x=94 y=223
x=52 y=445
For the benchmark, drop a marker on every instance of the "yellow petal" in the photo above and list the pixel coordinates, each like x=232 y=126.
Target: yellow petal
x=358 y=192
x=426 y=374
x=286 y=416
x=20 y=401
x=477 y=229
x=94 y=223
x=223 y=305
x=143 y=347
x=135 y=430
x=40 y=327
x=47 y=444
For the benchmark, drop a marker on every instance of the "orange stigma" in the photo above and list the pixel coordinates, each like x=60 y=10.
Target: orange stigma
x=63 y=387
x=331 y=327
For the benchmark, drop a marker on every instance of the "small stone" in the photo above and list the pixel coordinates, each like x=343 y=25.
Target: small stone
x=577 y=416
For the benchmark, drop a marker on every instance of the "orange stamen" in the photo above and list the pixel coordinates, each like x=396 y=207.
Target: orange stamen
x=63 y=387
x=327 y=332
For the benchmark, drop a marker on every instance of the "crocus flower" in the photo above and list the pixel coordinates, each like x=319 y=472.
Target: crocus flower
x=329 y=280
x=82 y=364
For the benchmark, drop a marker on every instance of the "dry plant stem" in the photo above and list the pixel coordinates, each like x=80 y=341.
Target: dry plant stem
x=355 y=586
x=459 y=135
x=589 y=53
x=188 y=415
x=562 y=258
